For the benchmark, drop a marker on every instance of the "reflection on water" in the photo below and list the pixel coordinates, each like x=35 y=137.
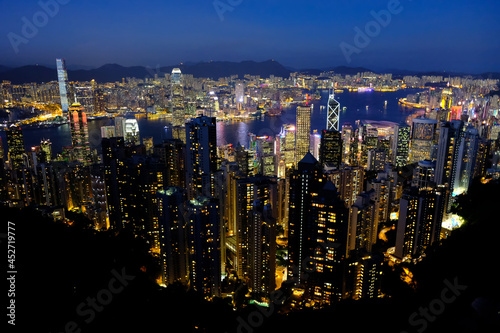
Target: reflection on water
x=234 y=132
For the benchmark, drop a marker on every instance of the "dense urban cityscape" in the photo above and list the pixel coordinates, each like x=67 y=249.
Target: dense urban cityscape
x=302 y=220
x=232 y=166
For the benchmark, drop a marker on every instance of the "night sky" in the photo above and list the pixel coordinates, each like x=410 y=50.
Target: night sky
x=458 y=35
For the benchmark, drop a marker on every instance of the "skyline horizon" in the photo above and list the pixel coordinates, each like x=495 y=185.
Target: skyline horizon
x=375 y=69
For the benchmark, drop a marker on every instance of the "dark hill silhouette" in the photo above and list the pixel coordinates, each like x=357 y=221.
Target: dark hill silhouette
x=115 y=72
x=60 y=266
x=212 y=69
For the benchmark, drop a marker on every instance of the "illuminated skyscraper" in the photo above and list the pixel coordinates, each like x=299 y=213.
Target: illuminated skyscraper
x=265 y=156
x=15 y=143
x=173 y=236
x=204 y=245
x=132 y=132
x=120 y=127
x=377 y=159
x=330 y=150
x=303 y=128
x=383 y=186
x=113 y=152
x=328 y=222
x=305 y=183
x=366 y=275
x=423 y=137
x=46 y=147
x=262 y=242
x=420 y=218
x=332 y=121
x=252 y=197
x=401 y=145
x=467 y=156
x=62 y=77
x=79 y=133
x=172 y=155
x=349 y=182
x=201 y=158
x=286 y=149
x=347 y=138
x=97 y=98
x=363 y=222
x=423 y=174
x=315 y=144
x=177 y=105
x=108 y=132
x=240 y=94
x=176 y=77
x=244 y=160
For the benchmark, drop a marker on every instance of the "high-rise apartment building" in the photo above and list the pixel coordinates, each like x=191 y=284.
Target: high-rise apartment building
x=303 y=131
x=349 y=182
x=419 y=224
x=15 y=143
x=204 y=245
x=254 y=198
x=326 y=284
x=201 y=157
x=363 y=222
x=174 y=247
x=424 y=174
x=172 y=156
x=305 y=183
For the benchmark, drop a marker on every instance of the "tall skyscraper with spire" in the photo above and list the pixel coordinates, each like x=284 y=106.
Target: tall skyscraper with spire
x=62 y=77
x=177 y=105
x=332 y=120
x=331 y=150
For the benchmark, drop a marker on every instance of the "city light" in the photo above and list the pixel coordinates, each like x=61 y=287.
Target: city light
x=239 y=195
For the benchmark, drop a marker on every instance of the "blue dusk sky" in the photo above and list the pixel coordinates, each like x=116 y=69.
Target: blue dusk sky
x=441 y=35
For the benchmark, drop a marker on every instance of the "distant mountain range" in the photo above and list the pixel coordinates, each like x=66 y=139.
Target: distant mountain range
x=212 y=69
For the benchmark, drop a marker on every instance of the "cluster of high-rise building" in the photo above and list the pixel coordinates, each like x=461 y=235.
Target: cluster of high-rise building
x=216 y=216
